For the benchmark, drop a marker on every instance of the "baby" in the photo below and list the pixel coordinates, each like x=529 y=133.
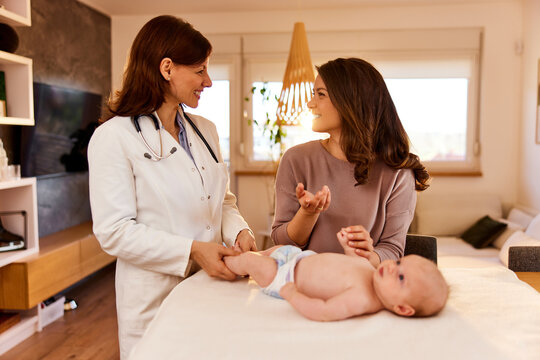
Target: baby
x=331 y=286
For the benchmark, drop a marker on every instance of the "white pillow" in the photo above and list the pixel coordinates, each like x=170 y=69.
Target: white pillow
x=533 y=230
x=519 y=238
x=511 y=228
x=520 y=217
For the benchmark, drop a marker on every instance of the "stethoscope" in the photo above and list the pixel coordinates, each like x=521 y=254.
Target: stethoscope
x=155 y=156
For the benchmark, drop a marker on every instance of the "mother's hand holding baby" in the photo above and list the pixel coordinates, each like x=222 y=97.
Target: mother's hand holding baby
x=356 y=240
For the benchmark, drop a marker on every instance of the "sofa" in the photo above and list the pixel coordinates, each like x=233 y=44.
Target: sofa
x=448 y=217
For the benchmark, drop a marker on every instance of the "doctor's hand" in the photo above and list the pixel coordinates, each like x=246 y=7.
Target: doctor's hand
x=313 y=203
x=209 y=256
x=245 y=241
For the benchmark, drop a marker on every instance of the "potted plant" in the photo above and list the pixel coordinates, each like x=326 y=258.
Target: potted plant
x=275 y=133
x=269 y=126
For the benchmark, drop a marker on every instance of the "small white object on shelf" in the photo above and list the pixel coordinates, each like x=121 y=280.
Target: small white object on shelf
x=3 y=162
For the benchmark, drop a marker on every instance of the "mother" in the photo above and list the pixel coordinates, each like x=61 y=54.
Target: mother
x=365 y=161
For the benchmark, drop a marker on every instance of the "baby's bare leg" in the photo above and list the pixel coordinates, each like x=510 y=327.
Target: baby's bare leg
x=270 y=250
x=261 y=268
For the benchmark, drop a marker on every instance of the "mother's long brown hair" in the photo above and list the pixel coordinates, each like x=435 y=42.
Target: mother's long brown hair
x=371 y=127
x=143 y=88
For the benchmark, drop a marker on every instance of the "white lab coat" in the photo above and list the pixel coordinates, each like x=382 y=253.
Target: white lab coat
x=148 y=213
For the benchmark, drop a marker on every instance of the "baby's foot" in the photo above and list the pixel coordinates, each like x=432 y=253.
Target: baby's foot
x=234 y=264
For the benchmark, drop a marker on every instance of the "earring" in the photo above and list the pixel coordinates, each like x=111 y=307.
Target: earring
x=169 y=78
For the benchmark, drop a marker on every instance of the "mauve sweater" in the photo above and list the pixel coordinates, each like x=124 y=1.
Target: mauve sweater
x=384 y=205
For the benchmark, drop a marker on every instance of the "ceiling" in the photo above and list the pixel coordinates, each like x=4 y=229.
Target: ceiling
x=145 y=7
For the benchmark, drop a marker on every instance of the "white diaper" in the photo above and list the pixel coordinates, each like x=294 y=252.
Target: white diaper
x=286 y=257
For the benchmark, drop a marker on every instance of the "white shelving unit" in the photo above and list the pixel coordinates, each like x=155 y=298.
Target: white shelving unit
x=16 y=12
x=20 y=195
x=19 y=89
x=18 y=69
x=28 y=325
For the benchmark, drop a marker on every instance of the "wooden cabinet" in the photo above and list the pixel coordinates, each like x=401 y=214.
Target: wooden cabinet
x=65 y=258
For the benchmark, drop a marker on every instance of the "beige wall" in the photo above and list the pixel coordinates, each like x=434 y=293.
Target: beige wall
x=501 y=86
x=529 y=176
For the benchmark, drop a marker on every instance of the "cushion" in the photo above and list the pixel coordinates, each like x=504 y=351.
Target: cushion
x=520 y=217
x=483 y=232
x=533 y=230
x=511 y=227
x=452 y=214
x=519 y=238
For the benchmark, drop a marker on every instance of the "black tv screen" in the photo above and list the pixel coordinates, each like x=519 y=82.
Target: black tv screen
x=64 y=121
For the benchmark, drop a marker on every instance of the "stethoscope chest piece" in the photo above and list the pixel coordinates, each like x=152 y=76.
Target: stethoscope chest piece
x=154 y=156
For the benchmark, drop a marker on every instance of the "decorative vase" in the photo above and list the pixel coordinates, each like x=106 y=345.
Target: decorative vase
x=9 y=40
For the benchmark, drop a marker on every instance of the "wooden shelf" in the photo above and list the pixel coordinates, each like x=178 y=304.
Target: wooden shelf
x=17 y=195
x=19 y=89
x=16 y=13
x=14 y=335
x=65 y=257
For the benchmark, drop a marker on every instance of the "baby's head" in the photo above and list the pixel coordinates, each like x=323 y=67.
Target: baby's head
x=412 y=286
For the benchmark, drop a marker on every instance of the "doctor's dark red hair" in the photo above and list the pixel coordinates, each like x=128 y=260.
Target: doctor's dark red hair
x=371 y=127
x=143 y=88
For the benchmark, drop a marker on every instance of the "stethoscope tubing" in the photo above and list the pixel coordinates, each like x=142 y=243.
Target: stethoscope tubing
x=155 y=156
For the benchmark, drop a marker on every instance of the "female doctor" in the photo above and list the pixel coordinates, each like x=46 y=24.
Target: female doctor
x=158 y=185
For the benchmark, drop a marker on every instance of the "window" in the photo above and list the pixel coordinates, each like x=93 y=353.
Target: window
x=214 y=105
x=434 y=97
x=215 y=102
x=436 y=100
x=432 y=75
x=434 y=114
x=264 y=109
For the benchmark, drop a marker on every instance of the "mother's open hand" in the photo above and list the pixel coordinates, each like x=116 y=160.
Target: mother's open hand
x=358 y=238
x=313 y=203
x=209 y=256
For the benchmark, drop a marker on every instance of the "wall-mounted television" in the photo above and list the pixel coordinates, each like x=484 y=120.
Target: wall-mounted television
x=64 y=121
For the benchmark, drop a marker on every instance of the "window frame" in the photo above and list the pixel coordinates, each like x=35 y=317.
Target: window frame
x=471 y=165
x=244 y=51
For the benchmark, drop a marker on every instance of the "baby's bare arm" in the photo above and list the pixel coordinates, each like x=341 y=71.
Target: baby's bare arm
x=343 y=240
x=351 y=302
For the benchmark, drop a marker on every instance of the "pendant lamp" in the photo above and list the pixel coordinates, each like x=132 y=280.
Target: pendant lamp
x=297 y=81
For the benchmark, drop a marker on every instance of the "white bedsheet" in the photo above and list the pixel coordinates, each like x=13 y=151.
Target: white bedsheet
x=490 y=315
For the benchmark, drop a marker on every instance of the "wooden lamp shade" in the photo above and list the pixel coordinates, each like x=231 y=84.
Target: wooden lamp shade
x=297 y=81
